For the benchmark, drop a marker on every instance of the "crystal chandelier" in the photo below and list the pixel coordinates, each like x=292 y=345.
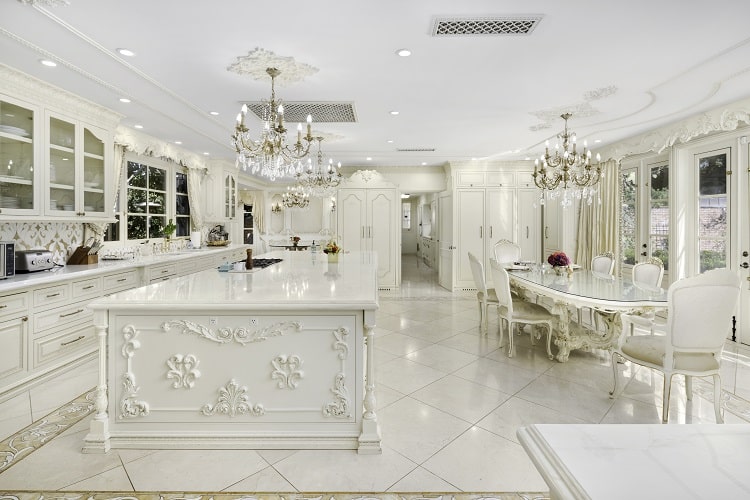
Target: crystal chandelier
x=270 y=156
x=319 y=180
x=569 y=173
x=295 y=197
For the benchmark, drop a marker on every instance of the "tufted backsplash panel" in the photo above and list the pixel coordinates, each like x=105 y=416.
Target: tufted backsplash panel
x=58 y=237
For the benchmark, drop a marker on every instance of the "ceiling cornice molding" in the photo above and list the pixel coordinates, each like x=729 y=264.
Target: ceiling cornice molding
x=23 y=86
x=722 y=119
x=490 y=165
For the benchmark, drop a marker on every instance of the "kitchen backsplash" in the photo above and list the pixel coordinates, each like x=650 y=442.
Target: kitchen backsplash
x=57 y=237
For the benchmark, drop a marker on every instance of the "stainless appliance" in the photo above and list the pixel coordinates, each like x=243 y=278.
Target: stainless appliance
x=7 y=259
x=29 y=261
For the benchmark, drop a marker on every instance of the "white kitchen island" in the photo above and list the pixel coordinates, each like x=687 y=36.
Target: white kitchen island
x=280 y=357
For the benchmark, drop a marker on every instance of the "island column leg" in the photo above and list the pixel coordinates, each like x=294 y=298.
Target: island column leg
x=369 y=439
x=97 y=440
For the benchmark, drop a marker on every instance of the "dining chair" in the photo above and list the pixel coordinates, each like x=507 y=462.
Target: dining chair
x=518 y=311
x=486 y=297
x=603 y=263
x=700 y=310
x=650 y=274
x=506 y=251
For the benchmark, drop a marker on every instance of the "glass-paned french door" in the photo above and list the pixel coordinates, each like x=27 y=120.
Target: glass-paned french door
x=645 y=214
x=713 y=216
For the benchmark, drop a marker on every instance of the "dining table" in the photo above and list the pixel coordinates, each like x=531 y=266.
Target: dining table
x=607 y=295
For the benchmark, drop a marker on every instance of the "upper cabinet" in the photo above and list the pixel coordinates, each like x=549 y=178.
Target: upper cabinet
x=230 y=195
x=220 y=194
x=53 y=163
x=78 y=183
x=19 y=185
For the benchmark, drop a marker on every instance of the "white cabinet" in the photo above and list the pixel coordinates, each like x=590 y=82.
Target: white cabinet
x=230 y=195
x=77 y=179
x=14 y=321
x=560 y=228
x=368 y=220
x=220 y=194
x=19 y=180
x=529 y=224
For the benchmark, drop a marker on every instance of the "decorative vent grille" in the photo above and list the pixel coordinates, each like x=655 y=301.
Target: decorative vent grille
x=479 y=26
x=414 y=150
x=322 y=112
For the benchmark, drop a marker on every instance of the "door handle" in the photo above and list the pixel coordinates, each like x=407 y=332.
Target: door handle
x=480 y=231
x=527 y=232
x=490 y=232
x=546 y=232
x=744 y=265
x=643 y=254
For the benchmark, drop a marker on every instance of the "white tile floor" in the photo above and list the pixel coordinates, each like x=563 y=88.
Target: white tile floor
x=449 y=404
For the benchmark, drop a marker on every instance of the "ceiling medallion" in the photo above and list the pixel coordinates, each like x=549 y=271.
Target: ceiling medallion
x=582 y=109
x=258 y=60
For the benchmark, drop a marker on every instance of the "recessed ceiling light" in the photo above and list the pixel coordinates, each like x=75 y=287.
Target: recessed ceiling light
x=474 y=159
x=527 y=158
x=214 y=113
x=403 y=52
x=389 y=141
x=126 y=52
x=138 y=126
x=394 y=113
x=178 y=142
x=597 y=141
x=369 y=158
x=47 y=62
x=206 y=153
x=124 y=99
x=424 y=163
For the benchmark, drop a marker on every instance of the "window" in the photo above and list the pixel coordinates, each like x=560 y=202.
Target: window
x=406 y=216
x=659 y=213
x=712 y=209
x=629 y=220
x=248 y=224
x=156 y=191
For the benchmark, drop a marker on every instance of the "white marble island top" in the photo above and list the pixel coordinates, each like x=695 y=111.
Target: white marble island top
x=300 y=280
x=641 y=461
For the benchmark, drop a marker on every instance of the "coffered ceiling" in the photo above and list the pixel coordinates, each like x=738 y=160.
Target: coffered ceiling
x=485 y=78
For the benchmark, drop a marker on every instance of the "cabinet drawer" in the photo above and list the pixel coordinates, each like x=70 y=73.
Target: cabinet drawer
x=12 y=349
x=52 y=296
x=526 y=179
x=91 y=287
x=60 y=345
x=162 y=272
x=505 y=179
x=61 y=316
x=469 y=179
x=120 y=281
x=16 y=304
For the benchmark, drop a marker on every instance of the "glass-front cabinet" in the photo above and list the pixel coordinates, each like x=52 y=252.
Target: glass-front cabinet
x=230 y=195
x=75 y=172
x=19 y=192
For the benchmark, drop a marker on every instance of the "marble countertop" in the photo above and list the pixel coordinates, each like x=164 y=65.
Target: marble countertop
x=300 y=280
x=57 y=274
x=650 y=461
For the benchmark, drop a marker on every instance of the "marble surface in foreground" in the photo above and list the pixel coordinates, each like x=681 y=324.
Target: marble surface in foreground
x=76 y=495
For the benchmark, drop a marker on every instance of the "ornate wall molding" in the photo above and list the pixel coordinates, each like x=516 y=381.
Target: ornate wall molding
x=233 y=401
x=130 y=405
x=226 y=335
x=723 y=119
x=286 y=371
x=184 y=370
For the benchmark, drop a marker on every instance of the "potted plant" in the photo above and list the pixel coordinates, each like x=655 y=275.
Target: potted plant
x=332 y=250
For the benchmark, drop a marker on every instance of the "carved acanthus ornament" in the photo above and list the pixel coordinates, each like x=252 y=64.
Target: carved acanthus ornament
x=339 y=407
x=226 y=335
x=233 y=401
x=183 y=370
x=130 y=405
x=286 y=371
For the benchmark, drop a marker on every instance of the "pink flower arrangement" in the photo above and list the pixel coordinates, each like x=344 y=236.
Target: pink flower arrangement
x=558 y=259
x=295 y=239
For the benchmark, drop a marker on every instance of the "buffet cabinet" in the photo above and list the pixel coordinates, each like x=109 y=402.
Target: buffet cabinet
x=56 y=164
x=48 y=326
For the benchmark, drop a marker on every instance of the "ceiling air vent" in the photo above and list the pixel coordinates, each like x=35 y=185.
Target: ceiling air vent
x=415 y=150
x=322 y=112
x=481 y=26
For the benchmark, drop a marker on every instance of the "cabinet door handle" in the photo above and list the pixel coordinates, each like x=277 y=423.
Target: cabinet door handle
x=88 y=287
x=527 y=232
x=53 y=295
x=3 y=306
x=481 y=232
x=491 y=229
x=121 y=280
x=80 y=337
x=71 y=314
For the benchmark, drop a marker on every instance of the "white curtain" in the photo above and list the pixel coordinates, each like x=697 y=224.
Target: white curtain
x=258 y=200
x=599 y=222
x=195 y=197
x=96 y=230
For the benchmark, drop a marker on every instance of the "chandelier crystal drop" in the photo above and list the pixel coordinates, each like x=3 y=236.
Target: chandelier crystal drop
x=270 y=156
x=295 y=197
x=319 y=180
x=568 y=173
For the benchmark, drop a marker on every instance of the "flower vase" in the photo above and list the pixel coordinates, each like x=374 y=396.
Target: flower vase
x=333 y=257
x=558 y=270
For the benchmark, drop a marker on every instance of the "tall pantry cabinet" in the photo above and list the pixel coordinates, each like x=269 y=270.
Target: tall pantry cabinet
x=368 y=209
x=490 y=206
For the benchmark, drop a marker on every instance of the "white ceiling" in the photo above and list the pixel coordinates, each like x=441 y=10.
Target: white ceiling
x=622 y=68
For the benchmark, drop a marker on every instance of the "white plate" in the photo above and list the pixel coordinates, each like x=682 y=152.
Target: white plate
x=13 y=130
